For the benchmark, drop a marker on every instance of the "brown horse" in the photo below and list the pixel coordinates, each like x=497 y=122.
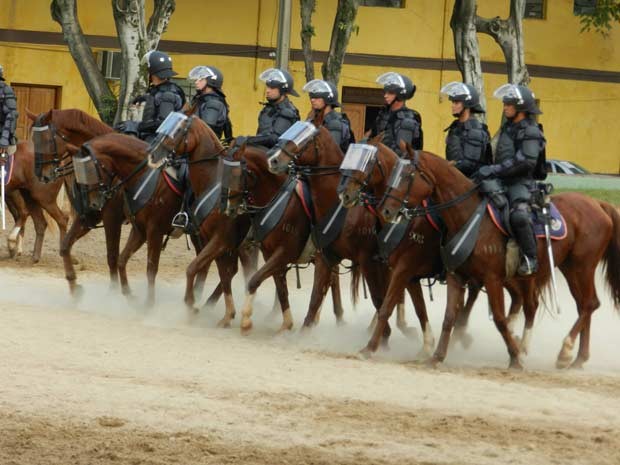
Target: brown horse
x=253 y=189
x=35 y=195
x=415 y=257
x=319 y=159
x=593 y=235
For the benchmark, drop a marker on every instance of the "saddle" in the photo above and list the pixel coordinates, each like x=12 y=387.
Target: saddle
x=557 y=224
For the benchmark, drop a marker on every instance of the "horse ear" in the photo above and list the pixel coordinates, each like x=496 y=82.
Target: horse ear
x=31 y=115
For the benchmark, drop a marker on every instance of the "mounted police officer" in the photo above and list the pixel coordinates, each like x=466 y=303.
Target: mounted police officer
x=468 y=141
x=519 y=159
x=8 y=118
x=163 y=96
x=324 y=99
x=279 y=113
x=210 y=102
x=396 y=120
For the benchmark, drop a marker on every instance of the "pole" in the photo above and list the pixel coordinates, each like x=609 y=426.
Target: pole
x=284 y=34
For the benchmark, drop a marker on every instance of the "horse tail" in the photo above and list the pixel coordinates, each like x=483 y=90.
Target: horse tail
x=356 y=275
x=611 y=259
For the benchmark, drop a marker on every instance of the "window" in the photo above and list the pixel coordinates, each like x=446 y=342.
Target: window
x=110 y=64
x=384 y=3
x=584 y=7
x=535 y=9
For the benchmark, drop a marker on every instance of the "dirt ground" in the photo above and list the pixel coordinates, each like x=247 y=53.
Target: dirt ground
x=104 y=381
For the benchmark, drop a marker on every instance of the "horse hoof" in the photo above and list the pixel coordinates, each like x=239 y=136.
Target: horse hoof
x=515 y=365
x=577 y=364
x=35 y=259
x=409 y=332
x=423 y=355
x=364 y=354
x=224 y=323
x=433 y=362
x=563 y=362
x=77 y=291
x=246 y=326
x=75 y=261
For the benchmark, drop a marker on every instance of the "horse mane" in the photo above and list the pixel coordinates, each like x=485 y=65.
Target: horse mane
x=439 y=167
x=202 y=126
x=78 y=121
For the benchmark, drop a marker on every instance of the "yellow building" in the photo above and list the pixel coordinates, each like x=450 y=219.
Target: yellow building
x=575 y=75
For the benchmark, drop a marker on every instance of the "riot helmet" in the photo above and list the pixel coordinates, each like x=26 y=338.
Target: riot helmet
x=211 y=74
x=317 y=88
x=398 y=84
x=520 y=96
x=279 y=78
x=159 y=64
x=466 y=93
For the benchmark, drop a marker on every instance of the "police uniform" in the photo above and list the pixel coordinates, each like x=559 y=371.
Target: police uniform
x=8 y=116
x=160 y=101
x=273 y=120
x=402 y=124
x=212 y=108
x=468 y=145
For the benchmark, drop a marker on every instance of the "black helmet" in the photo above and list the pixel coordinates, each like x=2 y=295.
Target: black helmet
x=398 y=84
x=279 y=78
x=317 y=88
x=214 y=76
x=520 y=96
x=159 y=64
x=466 y=93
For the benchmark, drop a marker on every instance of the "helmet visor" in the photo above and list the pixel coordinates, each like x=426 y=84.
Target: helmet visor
x=201 y=72
x=230 y=174
x=172 y=125
x=509 y=93
x=273 y=77
x=358 y=158
x=299 y=133
x=397 y=173
x=318 y=86
x=456 y=89
x=391 y=79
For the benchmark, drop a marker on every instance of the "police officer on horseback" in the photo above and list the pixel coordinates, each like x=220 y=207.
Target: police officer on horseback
x=395 y=120
x=519 y=160
x=324 y=99
x=278 y=113
x=468 y=141
x=162 y=98
x=8 y=118
x=210 y=102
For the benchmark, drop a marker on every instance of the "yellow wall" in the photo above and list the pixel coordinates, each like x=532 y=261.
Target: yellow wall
x=580 y=117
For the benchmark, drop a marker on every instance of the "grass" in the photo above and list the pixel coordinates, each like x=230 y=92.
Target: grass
x=611 y=196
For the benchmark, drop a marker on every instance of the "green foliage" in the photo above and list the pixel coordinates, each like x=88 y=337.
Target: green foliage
x=607 y=195
x=309 y=30
x=601 y=20
x=108 y=109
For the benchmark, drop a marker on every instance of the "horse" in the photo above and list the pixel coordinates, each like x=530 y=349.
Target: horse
x=593 y=235
x=35 y=196
x=252 y=188
x=318 y=158
x=417 y=254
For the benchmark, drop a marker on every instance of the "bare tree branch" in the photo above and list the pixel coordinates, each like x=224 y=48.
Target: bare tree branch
x=307 y=7
x=159 y=21
x=341 y=33
x=466 y=48
x=64 y=12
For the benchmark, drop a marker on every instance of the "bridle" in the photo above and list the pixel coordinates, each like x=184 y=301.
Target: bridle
x=60 y=169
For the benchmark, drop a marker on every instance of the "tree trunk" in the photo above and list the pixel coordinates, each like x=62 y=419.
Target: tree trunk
x=307 y=7
x=466 y=48
x=341 y=32
x=136 y=40
x=64 y=12
x=508 y=33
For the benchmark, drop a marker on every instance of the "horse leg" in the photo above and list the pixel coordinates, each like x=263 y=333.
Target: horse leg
x=201 y=277
x=134 y=242
x=207 y=254
x=582 y=287
x=337 y=298
x=495 y=292
x=528 y=297
x=274 y=265
x=78 y=229
x=154 y=240
x=453 y=306
x=516 y=302
x=40 y=225
x=462 y=320
x=17 y=206
x=396 y=287
x=417 y=297
x=227 y=266
x=320 y=285
x=113 y=218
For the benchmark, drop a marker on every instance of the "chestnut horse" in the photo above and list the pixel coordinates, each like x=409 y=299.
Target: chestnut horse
x=35 y=195
x=256 y=192
x=593 y=234
x=417 y=255
x=318 y=160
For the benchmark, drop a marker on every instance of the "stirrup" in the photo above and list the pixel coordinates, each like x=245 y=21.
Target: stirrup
x=180 y=222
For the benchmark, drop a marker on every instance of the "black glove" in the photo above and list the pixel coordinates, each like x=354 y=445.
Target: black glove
x=486 y=171
x=139 y=99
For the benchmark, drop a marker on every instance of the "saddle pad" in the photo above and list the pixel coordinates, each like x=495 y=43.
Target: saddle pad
x=205 y=204
x=328 y=229
x=8 y=169
x=558 y=224
x=137 y=196
x=264 y=222
x=302 y=189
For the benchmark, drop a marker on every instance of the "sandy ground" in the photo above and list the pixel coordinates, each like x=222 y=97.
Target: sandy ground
x=102 y=381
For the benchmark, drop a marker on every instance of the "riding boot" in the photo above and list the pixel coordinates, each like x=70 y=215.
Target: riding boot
x=527 y=243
